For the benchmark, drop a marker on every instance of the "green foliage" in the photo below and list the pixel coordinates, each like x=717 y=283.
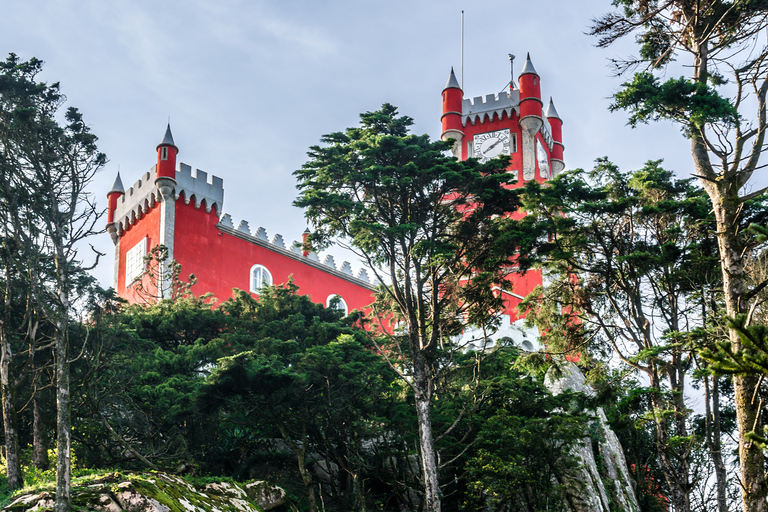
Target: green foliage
x=425 y=219
x=521 y=455
x=623 y=247
x=692 y=104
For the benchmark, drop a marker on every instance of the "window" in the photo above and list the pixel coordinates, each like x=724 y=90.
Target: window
x=260 y=277
x=134 y=261
x=336 y=301
x=164 y=153
x=513 y=144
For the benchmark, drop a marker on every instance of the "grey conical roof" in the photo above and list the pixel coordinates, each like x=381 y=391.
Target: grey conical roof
x=528 y=68
x=452 y=82
x=117 y=186
x=168 y=139
x=551 y=110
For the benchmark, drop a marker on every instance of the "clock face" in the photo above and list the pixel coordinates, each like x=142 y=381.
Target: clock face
x=491 y=144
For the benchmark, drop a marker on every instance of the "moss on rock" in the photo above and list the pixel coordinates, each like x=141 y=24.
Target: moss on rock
x=148 y=492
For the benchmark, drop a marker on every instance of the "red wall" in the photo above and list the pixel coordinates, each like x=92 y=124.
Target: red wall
x=221 y=261
x=516 y=283
x=148 y=226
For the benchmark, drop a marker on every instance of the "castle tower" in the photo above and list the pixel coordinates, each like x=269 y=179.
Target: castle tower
x=510 y=123
x=451 y=119
x=182 y=210
x=166 y=184
x=556 y=158
x=147 y=214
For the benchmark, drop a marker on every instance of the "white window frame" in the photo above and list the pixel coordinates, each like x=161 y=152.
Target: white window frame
x=264 y=278
x=342 y=304
x=134 y=261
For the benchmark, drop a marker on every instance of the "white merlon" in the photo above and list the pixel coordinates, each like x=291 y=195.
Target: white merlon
x=329 y=261
x=362 y=274
x=481 y=108
x=314 y=256
x=296 y=247
x=278 y=241
x=243 y=226
x=261 y=234
x=226 y=220
x=197 y=186
x=346 y=268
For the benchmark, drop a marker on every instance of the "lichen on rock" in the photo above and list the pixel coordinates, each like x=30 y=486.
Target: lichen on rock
x=155 y=492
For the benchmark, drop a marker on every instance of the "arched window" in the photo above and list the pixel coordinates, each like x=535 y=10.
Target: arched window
x=336 y=301
x=260 y=277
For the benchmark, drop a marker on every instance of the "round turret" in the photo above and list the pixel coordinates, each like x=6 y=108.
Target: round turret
x=530 y=97
x=556 y=123
x=113 y=195
x=305 y=243
x=452 y=110
x=166 y=164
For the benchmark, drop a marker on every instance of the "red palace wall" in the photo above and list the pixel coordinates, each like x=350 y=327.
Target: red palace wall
x=148 y=226
x=222 y=261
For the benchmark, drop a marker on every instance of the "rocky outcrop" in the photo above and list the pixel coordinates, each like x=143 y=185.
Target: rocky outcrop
x=602 y=483
x=157 y=492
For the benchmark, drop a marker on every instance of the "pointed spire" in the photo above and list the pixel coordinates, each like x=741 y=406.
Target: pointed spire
x=117 y=186
x=452 y=82
x=168 y=138
x=551 y=111
x=528 y=67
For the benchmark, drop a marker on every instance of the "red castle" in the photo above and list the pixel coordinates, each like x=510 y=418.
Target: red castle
x=183 y=211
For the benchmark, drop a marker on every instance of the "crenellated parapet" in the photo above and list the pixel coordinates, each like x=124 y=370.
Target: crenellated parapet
x=137 y=201
x=484 y=108
x=293 y=251
x=198 y=187
x=144 y=195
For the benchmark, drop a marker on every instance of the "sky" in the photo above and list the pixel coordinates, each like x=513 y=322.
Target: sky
x=249 y=86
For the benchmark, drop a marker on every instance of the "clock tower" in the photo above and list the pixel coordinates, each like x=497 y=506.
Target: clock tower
x=512 y=123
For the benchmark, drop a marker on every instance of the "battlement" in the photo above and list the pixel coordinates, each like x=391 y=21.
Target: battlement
x=143 y=195
x=481 y=108
x=197 y=186
x=136 y=201
x=294 y=251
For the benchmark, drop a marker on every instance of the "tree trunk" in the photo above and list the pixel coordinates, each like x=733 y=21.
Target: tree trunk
x=63 y=421
x=713 y=439
x=15 y=480
x=751 y=458
x=39 y=430
x=422 y=384
x=679 y=497
x=306 y=478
